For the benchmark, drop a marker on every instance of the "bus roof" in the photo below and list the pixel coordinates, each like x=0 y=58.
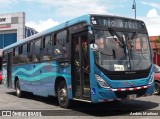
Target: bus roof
x=84 y=18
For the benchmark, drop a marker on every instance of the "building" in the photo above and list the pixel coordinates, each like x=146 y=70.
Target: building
x=156 y=51
x=29 y=31
x=13 y=29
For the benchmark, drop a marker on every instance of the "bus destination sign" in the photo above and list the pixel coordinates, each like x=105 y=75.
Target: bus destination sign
x=117 y=22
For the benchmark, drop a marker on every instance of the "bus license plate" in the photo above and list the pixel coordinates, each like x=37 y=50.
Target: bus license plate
x=131 y=97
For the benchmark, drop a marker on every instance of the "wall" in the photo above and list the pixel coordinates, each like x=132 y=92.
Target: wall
x=156 y=58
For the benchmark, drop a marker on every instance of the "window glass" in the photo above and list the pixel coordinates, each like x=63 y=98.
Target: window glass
x=118 y=54
x=30 y=51
x=16 y=51
x=1 y=41
x=85 y=55
x=37 y=50
x=16 y=56
x=24 y=58
x=47 y=48
x=61 y=48
x=62 y=37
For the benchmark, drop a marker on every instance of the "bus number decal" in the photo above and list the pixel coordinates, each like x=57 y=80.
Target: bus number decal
x=118 y=67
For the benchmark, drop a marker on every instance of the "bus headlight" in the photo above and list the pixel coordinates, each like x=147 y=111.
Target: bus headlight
x=151 y=79
x=101 y=82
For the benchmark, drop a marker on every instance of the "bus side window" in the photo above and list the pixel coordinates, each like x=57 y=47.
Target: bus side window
x=24 y=58
x=16 y=57
x=47 y=48
x=37 y=49
x=30 y=51
x=61 y=48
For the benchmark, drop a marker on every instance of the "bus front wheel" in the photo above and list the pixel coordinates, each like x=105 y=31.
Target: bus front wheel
x=157 y=88
x=63 y=100
x=18 y=90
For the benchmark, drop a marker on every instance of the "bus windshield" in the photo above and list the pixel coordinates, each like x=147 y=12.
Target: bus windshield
x=121 y=51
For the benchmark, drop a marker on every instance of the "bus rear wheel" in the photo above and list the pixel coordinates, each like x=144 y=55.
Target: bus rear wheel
x=18 y=90
x=63 y=100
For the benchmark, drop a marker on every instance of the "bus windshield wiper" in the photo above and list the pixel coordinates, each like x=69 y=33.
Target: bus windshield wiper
x=116 y=37
x=134 y=35
x=131 y=40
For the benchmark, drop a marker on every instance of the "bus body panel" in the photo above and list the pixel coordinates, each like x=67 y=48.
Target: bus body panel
x=39 y=78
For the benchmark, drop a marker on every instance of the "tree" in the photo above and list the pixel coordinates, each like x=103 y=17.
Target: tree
x=157 y=41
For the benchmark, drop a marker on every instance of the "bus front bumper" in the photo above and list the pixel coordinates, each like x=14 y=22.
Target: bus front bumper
x=105 y=95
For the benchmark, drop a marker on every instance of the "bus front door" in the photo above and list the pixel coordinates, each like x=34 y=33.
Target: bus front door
x=9 y=70
x=80 y=67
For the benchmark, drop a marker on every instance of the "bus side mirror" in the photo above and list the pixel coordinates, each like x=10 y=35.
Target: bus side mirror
x=94 y=47
x=91 y=37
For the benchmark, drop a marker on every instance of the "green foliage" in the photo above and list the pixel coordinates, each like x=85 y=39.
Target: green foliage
x=157 y=41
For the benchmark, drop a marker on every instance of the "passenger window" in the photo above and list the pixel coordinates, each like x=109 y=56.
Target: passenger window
x=16 y=56
x=24 y=58
x=30 y=51
x=37 y=49
x=47 y=48
x=61 y=48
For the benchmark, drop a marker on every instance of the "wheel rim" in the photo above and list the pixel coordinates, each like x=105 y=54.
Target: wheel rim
x=156 y=90
x=62 y=96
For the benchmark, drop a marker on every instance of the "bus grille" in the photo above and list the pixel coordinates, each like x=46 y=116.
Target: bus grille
x=123 y=94
x=127 y=77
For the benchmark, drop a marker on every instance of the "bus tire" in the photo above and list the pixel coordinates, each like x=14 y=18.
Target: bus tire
x=18 y=90
x=63 y=100
x=157 y=88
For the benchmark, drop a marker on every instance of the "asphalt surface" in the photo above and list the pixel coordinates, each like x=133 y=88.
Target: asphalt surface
x=31 y=106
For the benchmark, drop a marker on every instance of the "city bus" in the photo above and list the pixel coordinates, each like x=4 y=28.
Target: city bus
x=92 y=58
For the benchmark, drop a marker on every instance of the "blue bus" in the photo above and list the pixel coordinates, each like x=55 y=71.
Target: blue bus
x=93 y=58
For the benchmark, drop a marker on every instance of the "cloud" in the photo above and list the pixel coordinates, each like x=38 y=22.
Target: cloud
x=42 y=25
x=7 y=3
x=152 y=4
x=152 y=22
x=152 y=13
x=74 y=8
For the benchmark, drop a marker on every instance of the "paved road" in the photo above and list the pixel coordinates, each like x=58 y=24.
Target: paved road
x=123 y=109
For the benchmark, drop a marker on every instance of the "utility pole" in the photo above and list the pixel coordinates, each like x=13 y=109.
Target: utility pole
x=134 y=7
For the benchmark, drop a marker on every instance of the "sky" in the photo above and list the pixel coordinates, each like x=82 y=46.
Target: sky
x=43 y=14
